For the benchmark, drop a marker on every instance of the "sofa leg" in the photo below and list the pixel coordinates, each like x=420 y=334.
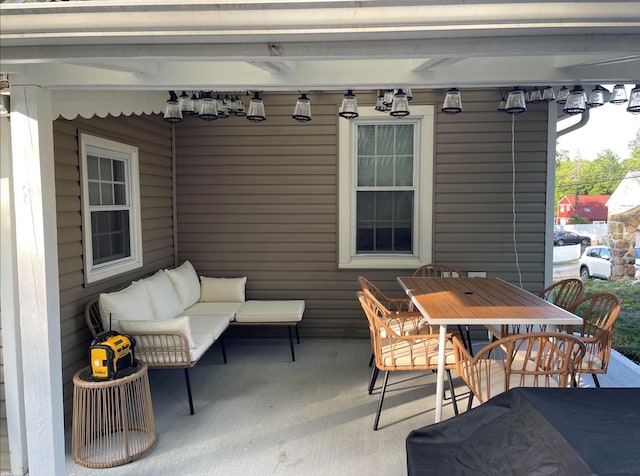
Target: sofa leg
x=293 y=355
x=186 y=377
x=224 y=352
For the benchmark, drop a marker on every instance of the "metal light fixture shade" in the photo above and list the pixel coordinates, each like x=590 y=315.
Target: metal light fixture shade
x=256 y=109
x=548 y=94
x=576 y=102
x=452 y=102
x=208 y=107
x=409 y=94
x=388 y=99
x=380 y=101
x=349 y=107
x=516 y=103
x=502 y=105
x=238 y=110
x=619 y=94
x=400 y=104
x=172 y=113
x=222 y=107
x=563 y=94
x=596 y=97
x=634 y=101
x=302 y=111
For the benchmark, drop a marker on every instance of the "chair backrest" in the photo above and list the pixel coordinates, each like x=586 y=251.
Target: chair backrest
x=392 y=304
x=437 y=270
x=92 y=317
x=564 y=293
x=537 y=359
x=599 y=312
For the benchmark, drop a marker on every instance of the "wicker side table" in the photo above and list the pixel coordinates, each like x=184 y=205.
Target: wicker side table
x=112 y=420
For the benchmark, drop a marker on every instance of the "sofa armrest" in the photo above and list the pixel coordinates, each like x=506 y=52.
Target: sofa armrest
x=162 y=349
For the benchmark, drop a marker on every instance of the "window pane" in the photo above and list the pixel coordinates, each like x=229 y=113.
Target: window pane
x=404 y=171
x=404 y=139
x=384 y=171
x=120 y=194
x=366 y=171
x=390 y=229
x=385 y=140
x=94 y=193
x=366 y=140
x=92 y=167
x=107 y=193
x=105 y=170
x=110 y=235
x=118 y=171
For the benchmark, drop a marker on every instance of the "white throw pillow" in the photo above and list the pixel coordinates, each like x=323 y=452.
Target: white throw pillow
x=178 y=324
x=185 y=280
x=130 y=304
x=222 y=289
x=163 y=295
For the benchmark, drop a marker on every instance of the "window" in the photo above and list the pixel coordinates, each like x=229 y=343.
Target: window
x=562 y=208
x=385 y=189
x=110 y=208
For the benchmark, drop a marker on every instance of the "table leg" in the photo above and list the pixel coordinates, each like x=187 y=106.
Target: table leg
x=440 y=374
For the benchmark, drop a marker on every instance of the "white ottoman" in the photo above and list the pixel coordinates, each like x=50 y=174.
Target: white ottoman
x=272 y=313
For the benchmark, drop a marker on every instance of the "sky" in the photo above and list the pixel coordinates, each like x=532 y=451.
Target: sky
x=609 y=127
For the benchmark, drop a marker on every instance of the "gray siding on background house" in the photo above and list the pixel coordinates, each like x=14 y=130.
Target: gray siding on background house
x=152 y=136
x=260 y=200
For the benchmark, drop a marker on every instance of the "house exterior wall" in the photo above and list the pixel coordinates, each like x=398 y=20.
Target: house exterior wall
x=260 y=200
x=153 y=138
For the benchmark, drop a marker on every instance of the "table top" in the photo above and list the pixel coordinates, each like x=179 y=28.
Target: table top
x=481 y=301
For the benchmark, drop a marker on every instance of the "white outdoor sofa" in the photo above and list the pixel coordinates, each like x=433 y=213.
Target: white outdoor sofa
x=175 y=317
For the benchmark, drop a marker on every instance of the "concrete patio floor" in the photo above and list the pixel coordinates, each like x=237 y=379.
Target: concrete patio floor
x=263 y=414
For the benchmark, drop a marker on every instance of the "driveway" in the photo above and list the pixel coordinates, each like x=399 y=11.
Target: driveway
x=564 y=271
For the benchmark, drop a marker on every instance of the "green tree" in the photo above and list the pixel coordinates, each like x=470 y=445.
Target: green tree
x=602 y=175
x=632 y=163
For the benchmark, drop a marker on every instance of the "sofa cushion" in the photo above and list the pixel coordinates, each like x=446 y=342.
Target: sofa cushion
x=211 y=324
x=185 y=280
x=214 y=309
x=270 y=311
x=163 y=295
x=222 y=289
x=179 y=324
x=130 y=304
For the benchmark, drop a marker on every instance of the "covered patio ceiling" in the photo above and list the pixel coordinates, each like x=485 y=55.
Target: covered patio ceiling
x=322 y=45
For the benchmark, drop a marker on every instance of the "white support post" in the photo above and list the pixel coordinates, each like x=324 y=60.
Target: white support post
x=37 y=273
x=9 y=312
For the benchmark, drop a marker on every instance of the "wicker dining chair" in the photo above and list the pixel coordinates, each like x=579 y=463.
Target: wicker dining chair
x=395 y=352
x=562 y=293
x=442 y=270
x=599 y=312
x=537 y=359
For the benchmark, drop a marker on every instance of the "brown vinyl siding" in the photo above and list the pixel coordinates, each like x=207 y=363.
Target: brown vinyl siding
x=153 y=138
x=259 y=200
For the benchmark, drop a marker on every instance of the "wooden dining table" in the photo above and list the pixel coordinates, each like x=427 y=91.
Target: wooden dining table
x=481 y=301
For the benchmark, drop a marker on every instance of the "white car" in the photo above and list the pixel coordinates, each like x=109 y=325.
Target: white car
x=595 y=262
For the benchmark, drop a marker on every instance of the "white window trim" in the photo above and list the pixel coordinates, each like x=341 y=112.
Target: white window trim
x=103 y=271
x=346 y=195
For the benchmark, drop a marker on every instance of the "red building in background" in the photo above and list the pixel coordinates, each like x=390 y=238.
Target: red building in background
x=589 y=207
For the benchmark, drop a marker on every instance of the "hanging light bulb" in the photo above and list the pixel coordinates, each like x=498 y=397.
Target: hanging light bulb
x=634 y=102
x=256 y=109
x=619 y=94
x=596 y=96
x=400 y=104
x=452 y=102
x=380 y=101
x=208 y=107
x=186 y=105
x=238 y=110
x=302 y=110
x=172 y=113
x=576 y=102
x=516 y=103
x=563 y=94
x=535 y=96
x=349 y=108
x=548 y=95
x=388 y=99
